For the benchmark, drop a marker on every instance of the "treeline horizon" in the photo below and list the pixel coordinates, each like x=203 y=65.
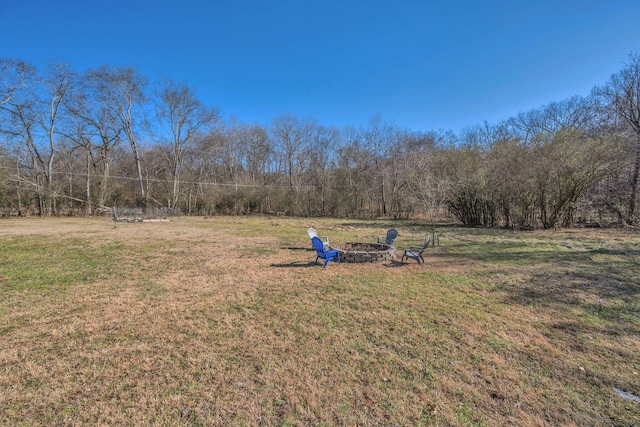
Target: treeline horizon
x=77 y=142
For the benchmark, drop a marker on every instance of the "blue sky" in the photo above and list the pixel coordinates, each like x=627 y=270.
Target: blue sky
x=421 y=64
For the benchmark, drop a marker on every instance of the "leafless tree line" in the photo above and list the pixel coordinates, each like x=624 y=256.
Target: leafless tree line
x=76 y=142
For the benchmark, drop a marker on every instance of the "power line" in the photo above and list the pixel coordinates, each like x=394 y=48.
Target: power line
x=168 y=181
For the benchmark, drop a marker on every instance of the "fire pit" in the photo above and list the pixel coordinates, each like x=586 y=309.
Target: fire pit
x=365 y=252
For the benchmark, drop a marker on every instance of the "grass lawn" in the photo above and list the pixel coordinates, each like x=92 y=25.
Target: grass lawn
x=227 y=321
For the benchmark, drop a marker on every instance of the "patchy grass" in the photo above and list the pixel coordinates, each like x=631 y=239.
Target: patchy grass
x=227 y=321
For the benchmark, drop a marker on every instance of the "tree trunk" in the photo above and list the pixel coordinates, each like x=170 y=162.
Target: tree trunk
x=136 y=156
x=102 y=185
x=89 y=208
x=633 y=198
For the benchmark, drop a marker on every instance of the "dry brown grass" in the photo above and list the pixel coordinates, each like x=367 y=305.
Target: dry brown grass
x=225 y=321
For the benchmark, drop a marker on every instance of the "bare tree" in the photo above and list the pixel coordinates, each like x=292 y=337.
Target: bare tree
x=575 y=113
x=350 y=175
x=121 y=90
x=19 y=121
x=323 y=145
x=376 y=139
x=93 y=125
x=621 y=95
x=56 y=84
x=13 y=74
x=568 y=164
x=32 y=116
x=259 y=152
x=426 y=176
x=181 y=116
x=292 y=135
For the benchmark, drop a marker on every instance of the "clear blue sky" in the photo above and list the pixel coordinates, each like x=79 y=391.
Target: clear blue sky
x=421 y=64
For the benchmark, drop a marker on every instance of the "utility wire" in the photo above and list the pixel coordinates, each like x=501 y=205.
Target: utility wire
x=168 y=181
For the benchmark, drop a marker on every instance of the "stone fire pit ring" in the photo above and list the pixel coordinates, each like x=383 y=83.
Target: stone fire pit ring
x=365 y=252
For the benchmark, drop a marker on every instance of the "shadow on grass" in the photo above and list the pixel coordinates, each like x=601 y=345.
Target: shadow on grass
x=593 y=292
x=300 y=264
x=521 y=251
x=563 y=275
x=297 y=264
x=557 y=270
x=583 y=336
x=396 y=264
x=586 y=290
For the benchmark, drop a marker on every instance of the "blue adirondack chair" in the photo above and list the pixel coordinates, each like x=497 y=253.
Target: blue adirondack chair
x=392 y=234
x=323 y=253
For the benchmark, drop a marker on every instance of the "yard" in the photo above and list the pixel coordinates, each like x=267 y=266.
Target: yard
x=227 y=321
